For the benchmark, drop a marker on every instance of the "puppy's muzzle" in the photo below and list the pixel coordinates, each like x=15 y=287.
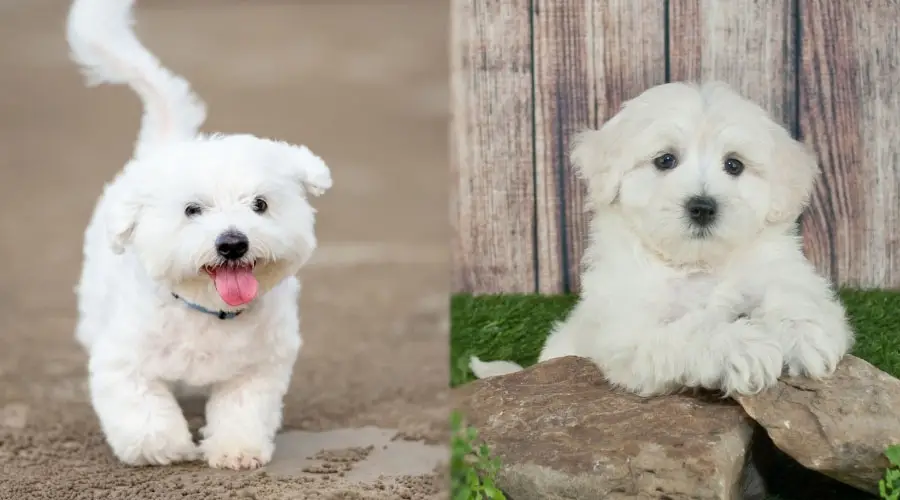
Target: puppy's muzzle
x=232 y=245
x=702 y=210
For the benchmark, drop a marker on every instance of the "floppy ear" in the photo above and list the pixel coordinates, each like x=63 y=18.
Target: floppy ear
x=121 y=216
x=309 y=169
x=795 y=173
x=597 y=157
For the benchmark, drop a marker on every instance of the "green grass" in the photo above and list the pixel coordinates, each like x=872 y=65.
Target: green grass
x=513 y=327
x=473 y=469
x=889 y=486
x=508 y=327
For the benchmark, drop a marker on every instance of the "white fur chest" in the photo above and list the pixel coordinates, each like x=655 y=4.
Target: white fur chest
x=685 y=292
x=198 y=348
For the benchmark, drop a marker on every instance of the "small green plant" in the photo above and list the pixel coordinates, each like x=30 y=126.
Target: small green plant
x=889 y=486
x=472 y=469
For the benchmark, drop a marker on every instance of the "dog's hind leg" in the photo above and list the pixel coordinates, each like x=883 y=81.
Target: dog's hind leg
x=561 y=342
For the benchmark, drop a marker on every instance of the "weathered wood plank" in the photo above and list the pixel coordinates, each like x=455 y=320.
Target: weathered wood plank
x=751 y=45
x=492 y=146
x=564 y=94
x=850 y=112
x=629 y=56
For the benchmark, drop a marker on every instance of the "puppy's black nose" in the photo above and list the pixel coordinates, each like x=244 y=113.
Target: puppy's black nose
x=701 y=210
x=232 y=245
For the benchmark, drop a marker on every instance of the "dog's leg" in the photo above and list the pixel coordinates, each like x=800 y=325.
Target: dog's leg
x=242 y=417
x=811 y=326
x=704 y=348
x=745 y=355
x=141 y=419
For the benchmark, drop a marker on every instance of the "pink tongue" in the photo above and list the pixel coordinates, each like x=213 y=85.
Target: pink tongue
x=236 y=285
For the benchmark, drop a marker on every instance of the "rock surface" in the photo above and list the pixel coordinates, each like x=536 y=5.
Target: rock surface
x=563 y=433
x=839 y=426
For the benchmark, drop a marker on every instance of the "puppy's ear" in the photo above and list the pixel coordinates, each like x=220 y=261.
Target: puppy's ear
x=121 y=216
x=310 y=170
x=596 y=156
x=794 y=177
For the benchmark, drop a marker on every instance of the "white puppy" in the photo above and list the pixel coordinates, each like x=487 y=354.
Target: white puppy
x=694 y=275
x=189 y=263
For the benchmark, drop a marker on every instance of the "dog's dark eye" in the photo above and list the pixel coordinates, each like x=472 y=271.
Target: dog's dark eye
x=733 y=167
x=192 y=210
x=260 y=206
x=665 y=161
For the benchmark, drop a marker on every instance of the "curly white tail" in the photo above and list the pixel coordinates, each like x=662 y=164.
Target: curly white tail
x=484 y=369
x=103 y=43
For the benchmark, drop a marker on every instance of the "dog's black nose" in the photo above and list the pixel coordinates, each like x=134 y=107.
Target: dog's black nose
x=701 y=210
x=232 y=245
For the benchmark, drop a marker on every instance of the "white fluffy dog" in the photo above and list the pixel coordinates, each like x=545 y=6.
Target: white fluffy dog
x=695 y=276
x=189 y=263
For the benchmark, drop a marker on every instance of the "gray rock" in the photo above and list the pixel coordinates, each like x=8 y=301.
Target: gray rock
x=563 y=433
x=839 y=426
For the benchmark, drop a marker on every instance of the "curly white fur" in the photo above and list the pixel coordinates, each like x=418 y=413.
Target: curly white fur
x=146 y=258
x=664 y=306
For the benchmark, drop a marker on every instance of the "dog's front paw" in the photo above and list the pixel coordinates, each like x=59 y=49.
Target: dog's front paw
x=813 y=352
x=237 y=453
x=161 y=443
x=753 y=360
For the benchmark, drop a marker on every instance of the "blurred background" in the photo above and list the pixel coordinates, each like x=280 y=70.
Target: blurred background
x=363 y=83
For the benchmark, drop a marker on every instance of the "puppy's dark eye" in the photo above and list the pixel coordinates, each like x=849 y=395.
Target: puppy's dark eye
x=665 y=161
x=733 y=167
x=192 y=210
x=259 y=205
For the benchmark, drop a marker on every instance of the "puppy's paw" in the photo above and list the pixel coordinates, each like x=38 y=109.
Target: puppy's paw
x=237 y=454
x=753 y=360
x=814 y=352
x=160 y=444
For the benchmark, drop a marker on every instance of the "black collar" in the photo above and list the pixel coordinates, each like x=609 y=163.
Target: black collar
x=219 y=314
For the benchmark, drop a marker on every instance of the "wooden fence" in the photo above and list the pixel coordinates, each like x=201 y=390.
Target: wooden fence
x=528 y=73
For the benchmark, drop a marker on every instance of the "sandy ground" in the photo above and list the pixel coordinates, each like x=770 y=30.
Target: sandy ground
x=364 y=84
